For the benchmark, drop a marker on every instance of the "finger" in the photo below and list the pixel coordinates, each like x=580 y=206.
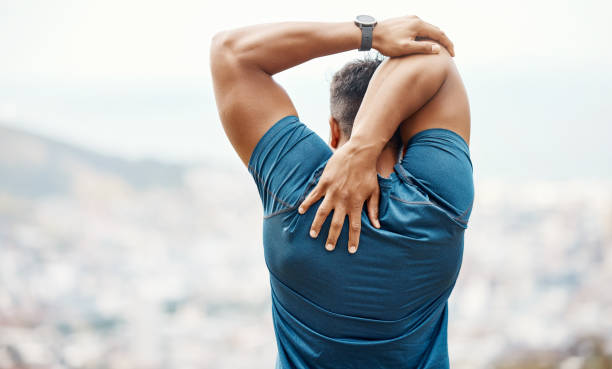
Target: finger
x=432 y=32
x=435 y=33
x=322 y=213
x=373 y=203
x=422 y=47
x=334 y=229
x=354 y=229
x=312 y=197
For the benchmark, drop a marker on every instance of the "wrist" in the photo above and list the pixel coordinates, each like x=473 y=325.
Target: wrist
x=366 y=24
x=376 y=32
x=360 y=147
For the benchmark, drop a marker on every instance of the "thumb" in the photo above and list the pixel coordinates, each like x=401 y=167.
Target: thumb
x=423 y=47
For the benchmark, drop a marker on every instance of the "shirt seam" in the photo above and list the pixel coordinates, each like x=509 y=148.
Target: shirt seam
x=459 y=217
x=265 y=187
x=316 y=176
x=411 y=202
x=459 y=222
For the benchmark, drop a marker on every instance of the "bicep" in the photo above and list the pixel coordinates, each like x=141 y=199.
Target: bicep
x=248 y=99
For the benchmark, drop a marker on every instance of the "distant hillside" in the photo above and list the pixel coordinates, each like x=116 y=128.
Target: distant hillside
x=32 y=165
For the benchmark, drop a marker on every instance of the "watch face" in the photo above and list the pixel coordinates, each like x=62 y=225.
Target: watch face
x=366 y=20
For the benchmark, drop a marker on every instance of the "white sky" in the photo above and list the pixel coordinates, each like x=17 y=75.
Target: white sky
x=128 y=40
x=132 y=77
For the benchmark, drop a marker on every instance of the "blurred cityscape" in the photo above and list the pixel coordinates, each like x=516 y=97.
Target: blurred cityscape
x=109 y=263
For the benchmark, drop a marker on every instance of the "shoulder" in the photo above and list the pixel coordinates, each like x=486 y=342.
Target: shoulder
x=283 y=163
x=439 y=161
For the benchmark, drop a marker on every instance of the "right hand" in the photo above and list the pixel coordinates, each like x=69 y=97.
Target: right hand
x=403 y=36
x=348 y=180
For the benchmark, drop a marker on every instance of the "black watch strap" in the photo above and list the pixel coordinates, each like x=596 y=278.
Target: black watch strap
x=366 y=37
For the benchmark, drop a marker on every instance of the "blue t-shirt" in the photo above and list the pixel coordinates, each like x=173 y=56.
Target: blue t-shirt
x=386 y=305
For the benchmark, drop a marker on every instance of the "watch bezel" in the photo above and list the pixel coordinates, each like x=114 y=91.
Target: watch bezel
x=369 y=20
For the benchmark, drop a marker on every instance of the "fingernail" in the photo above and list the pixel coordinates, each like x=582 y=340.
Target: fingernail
x=301 y=210
x=435 y=48
x=377 y=223
x=329 y=247
x=352 y=249
x=313 y=233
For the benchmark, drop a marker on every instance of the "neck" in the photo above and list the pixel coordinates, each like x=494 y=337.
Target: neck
x=386 y=160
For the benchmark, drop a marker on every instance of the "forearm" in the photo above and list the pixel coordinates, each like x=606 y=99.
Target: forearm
x=274 y=47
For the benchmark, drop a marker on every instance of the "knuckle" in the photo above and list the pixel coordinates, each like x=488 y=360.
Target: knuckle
x=323 y=209
x=315 y=194
x=334 y=233
x=318 y=220
x=337 y=223
x=343 y=194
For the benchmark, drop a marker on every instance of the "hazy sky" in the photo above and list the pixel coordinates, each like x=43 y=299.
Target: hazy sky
x=132 y=77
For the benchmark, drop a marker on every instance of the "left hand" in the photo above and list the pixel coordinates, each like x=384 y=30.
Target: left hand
x=348 y=180
x=409 y=35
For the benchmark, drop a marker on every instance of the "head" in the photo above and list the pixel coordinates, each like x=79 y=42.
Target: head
x=347 y=89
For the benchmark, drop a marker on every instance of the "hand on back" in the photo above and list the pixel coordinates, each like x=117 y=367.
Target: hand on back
x=350 y=177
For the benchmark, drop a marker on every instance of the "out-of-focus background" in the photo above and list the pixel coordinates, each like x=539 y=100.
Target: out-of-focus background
x=120 y=197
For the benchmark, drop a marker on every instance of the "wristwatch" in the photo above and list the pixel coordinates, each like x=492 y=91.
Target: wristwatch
x=366 y=23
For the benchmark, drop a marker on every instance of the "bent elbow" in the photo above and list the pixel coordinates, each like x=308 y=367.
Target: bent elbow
x=219 y=43
x=221 y=52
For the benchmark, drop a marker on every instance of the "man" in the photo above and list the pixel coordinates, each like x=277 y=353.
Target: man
x=386 y=306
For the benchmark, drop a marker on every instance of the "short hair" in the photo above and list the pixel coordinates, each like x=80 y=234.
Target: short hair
x=347 y=89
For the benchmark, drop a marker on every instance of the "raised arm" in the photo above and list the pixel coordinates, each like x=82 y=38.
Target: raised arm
x=243 y=60
x=399 y=88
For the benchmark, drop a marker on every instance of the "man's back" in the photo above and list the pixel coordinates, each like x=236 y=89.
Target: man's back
x=385 y=306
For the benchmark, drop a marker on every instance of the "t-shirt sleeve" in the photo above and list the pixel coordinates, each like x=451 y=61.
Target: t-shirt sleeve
x=284 y=161
x=438 y=160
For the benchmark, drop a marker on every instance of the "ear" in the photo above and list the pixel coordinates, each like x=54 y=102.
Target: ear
x=334 y=132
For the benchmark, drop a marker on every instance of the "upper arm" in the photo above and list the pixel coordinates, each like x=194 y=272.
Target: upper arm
x=249 y=101
x=437 y=156
x=437 y=159
x=399 y=88
x=444 y=103
x=421 y=76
